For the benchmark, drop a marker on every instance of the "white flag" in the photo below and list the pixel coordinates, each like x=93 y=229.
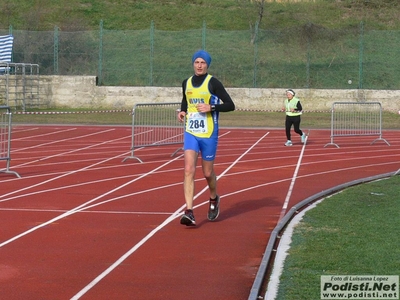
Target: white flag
x=6 y=44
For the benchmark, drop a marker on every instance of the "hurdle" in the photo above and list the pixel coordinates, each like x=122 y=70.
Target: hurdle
x=155 y=124
x=5 y=139
x=356 y=119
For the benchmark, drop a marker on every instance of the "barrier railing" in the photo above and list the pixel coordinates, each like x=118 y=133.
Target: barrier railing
x=356 y=119
x=19 y=83
x=155 y=124
x=5 y=139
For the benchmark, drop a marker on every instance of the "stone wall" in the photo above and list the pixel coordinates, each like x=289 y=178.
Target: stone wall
x=82 y=92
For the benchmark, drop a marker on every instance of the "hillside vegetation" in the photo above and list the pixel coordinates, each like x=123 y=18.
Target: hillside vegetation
x=77 y=15
x=297 y=43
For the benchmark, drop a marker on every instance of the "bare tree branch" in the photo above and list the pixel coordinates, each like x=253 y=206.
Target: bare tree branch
x=254 y=29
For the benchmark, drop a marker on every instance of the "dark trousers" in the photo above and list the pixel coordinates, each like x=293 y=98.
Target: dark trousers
x=295 y=121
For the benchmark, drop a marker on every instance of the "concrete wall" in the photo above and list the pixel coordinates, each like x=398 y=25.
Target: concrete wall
x=82 y=92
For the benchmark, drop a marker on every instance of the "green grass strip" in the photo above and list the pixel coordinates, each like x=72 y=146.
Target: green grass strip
x=238 y=118
x=354 y=232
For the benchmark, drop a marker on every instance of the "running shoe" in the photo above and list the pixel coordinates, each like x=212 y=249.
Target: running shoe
x=213 y=210
x=303 y=138
x=288 y=143
x=188 y=218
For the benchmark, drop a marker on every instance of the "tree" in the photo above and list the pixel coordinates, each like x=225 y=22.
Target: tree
x=254 y=26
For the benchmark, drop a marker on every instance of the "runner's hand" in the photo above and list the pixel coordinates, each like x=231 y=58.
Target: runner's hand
x=181 y=116
x=202 y=107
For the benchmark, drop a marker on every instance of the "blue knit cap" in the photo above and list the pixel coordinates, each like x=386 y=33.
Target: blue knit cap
x=204 y=55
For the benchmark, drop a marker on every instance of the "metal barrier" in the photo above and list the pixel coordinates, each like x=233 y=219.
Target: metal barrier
x=19 y=83
x=5 y=138
x=356 y=119
x=155 y=124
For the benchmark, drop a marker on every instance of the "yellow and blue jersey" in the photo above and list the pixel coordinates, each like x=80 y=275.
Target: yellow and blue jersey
x=199 y=124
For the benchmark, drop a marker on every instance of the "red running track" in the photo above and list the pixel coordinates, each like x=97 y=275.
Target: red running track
x=82 y=224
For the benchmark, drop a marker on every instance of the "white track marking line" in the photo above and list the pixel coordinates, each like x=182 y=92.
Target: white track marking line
x=100 y=212
x=63 y=153
x=19 y=129
x=68 y=173
x=229 y=167
x=121 y=177
x=122 y=259
x=179 y=183
x=43 y=134
x=225 y=195
x=78 y=208
x=152 y=233
x=63 y=140
x=286 y=203
x=72 y=151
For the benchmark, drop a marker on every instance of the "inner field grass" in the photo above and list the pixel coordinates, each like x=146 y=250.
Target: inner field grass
x=355 y=232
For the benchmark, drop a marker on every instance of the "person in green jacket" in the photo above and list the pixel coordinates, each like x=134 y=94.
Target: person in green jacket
x=293 y=110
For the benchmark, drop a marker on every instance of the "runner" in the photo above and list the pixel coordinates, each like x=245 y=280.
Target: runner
x=204 y=97
x=293 y=109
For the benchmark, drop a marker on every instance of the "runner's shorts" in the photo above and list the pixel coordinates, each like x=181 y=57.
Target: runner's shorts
x=207 y=146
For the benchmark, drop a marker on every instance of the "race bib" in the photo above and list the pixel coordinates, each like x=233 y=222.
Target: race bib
x=197 y=123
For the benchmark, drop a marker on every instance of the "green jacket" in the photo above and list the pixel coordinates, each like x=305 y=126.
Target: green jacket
x=294 y=103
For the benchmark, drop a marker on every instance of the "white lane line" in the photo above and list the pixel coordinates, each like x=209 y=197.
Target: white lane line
x=68 y=173
x=19 y=129
x=78 y=208
x=34 y=137
x=172 y=184
x=172 y=217
x=71 y=151
x=105 y=212
x=179 y=183
x=122 y=258
x=289 y=194
x=171 y=170
x=62 y=140
x=231 y=166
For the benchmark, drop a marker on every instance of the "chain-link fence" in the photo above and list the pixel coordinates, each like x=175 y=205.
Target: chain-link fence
x=306 y=56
